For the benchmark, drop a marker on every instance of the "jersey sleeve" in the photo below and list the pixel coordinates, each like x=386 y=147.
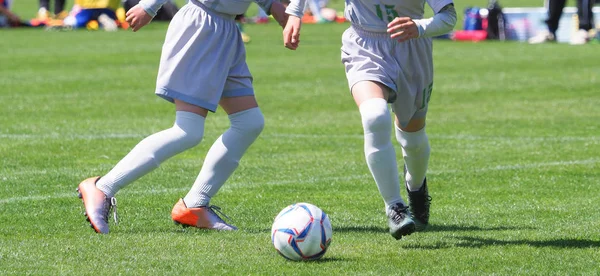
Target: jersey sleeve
x=152 y=6
x=296 y=8
x=437 y=5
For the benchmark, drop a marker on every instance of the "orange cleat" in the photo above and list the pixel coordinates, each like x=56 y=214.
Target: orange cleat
x=202 y=217
x=97 y=205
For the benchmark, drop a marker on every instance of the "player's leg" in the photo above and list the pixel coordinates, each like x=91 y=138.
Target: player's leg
x=371 y=99
x=372 y=90
x=246 y=123
x=586 y=22
x=237 y=99
x=555 y=9
x=223 y=157
x=43 y=13
x=585 y=14
x=146 y=156
x=193 y=98
x=415 y=151
x=59 y=9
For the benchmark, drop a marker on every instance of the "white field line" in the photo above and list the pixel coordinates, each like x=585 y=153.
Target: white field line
x=301 y=136
x=319 y=179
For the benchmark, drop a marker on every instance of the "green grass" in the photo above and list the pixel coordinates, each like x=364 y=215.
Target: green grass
x=514 y=172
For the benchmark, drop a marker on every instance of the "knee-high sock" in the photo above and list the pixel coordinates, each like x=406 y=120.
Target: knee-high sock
x=416 y=151
x=379 y=151
x=224 y=156
x=147 y=155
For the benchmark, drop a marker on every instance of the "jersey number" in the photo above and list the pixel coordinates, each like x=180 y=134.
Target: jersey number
x=390 y=11
x=427 y=94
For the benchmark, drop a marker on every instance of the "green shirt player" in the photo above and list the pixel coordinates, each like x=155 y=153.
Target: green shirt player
x=387 y=54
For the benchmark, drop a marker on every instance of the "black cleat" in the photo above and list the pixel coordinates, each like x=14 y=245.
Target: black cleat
x=400 y=221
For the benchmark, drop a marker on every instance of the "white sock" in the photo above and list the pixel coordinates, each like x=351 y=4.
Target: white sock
x=224 y=156
x=379 y=151
x=416 y=151
x=148 y=154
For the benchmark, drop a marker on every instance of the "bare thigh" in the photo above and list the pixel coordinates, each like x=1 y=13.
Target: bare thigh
x=236 y=104
x=366 y=90
x=413 y=125
x=183 y=106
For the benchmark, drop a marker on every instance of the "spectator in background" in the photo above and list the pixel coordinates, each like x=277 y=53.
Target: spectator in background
x=555 y=12
x=86 y=11
x=59 y=10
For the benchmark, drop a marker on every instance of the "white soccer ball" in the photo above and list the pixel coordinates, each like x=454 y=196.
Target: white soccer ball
x=301 y=232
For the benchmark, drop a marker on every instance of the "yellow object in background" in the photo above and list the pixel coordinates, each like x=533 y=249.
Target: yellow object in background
x=120 y=14
x=92 y=25
x=99 y=4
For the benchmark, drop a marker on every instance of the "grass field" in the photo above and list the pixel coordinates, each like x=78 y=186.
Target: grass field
x=514 y=172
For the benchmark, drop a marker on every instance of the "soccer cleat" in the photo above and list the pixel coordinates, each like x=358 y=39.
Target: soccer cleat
x=97 y=205
x=202 y=217
x=419 y=202
x=542 y=37
x=399 y=221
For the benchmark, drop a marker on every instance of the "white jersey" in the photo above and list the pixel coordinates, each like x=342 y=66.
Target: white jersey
x=374 y=15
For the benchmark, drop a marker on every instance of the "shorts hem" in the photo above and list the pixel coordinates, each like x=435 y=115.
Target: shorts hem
x=240 y=92
x=171 y=95
x=390 y=85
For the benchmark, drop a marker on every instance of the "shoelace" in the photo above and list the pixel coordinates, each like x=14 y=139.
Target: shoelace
x=399 y=212
x=111 y=204
x=217 y=211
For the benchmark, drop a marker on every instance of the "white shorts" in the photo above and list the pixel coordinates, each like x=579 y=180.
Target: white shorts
x=203 y=58
x=406 y=68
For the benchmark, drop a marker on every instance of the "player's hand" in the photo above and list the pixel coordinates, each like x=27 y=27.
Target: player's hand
x=137 y=17
x=403 y=29
x=291 y=32
x=278 y=12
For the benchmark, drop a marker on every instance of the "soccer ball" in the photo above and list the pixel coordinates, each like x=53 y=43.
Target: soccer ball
x=301 y=232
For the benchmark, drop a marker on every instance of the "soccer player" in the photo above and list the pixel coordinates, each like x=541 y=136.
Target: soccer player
x=203 y=65
x=84 y=11
x=387 y=53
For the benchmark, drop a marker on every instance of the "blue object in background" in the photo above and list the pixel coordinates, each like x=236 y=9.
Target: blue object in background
x=473 y=19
